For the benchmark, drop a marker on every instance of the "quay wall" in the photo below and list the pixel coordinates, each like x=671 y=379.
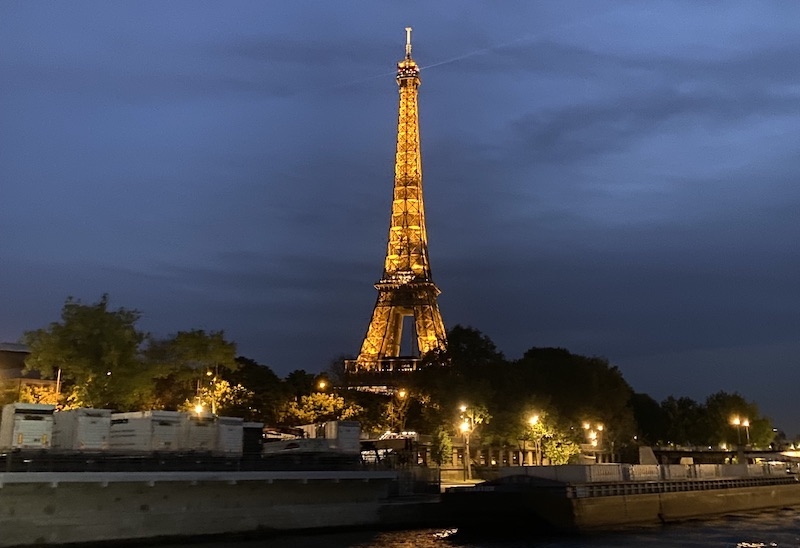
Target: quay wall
x=609 y=497
x=624 y=510
x=57 y=508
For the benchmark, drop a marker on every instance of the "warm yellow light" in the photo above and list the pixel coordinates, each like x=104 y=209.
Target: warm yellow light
x=463 y=408
x=533 y=420
x=600 y=427
x=465 y=426
x=745 y=423
x=198 y=408
x=586 y=425
x=322 y=384
x=735 y=421
x=402 y=394
x=594 y=443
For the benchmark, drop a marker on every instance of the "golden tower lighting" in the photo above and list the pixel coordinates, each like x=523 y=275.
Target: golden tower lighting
x=406 y=287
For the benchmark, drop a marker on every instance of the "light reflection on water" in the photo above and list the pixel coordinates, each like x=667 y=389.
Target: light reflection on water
x=763 y=530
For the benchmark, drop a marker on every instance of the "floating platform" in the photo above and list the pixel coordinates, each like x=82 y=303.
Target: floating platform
x=611 y=497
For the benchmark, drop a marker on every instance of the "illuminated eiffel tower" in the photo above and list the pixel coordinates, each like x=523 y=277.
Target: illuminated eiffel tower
x=406 y=288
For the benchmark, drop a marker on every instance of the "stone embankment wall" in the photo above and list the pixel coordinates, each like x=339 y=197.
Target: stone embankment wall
x=618 y=511
x=617 y=495
x=56 y=508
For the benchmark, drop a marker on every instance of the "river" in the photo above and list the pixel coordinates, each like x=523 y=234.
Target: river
x=768 y=529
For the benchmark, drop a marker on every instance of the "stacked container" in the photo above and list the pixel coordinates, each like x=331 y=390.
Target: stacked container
x=146 y=431
x=198 y=432
x=230 y=436
x=82 y=429
x=26 y=426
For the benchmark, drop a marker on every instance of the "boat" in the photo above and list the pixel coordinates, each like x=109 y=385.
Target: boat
x=597 y=497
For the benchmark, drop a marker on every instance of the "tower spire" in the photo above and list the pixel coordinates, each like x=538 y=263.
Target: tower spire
x=406 y=287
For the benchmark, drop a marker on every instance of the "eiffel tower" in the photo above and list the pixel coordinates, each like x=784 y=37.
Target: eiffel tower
x=406 y=287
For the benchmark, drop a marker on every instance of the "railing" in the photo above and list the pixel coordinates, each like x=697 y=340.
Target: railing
x=109 y=461
x=650 y=487
x=384 y=365
x=410 y=480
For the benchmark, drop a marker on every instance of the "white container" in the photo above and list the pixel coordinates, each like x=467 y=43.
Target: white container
x=345 y=436
x=675 y=471
x=230 y=435
x=198 y=432
x=82 y=429
x=26 y=426
x=641 y=472
x=146 y=431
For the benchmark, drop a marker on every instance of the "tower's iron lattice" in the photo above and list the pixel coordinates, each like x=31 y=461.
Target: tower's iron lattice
x=406 y=287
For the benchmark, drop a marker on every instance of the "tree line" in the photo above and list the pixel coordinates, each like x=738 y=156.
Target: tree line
x=549 y=400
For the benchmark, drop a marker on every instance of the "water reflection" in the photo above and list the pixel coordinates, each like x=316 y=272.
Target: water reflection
x=770 y=529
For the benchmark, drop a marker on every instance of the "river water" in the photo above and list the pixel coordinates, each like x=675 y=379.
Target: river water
x=767 y=529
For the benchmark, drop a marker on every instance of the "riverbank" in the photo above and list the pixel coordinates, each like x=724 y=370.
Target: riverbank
x=44 y=508
x=610 y=497
x=54 y=508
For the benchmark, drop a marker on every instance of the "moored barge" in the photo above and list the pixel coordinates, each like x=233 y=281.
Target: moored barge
x=614 y=496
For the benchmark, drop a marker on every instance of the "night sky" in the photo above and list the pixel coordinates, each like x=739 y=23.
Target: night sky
x=614 y=178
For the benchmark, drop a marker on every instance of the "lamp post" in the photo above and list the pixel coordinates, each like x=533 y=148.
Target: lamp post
x=466 y=427
x=738 y=423
x=397 y=411
x=533 y=421
x=594 y=437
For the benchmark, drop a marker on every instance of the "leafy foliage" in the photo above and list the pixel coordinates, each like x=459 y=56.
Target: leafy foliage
x=441 y=446
x=105 y=361
x=318 y=407
x=98 y=353
x=187 y=364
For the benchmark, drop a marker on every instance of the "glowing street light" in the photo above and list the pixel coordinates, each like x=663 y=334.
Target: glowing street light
x=537 y=434
x=738 y=422
x=466 y=428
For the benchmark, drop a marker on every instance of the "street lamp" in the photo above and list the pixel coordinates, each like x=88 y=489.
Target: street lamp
x=397 y=410
x=534 y=422
x=466 y=427
x=738 y=423
x=594 y=437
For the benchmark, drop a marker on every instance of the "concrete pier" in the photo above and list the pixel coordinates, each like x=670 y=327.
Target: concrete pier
x=55 y=508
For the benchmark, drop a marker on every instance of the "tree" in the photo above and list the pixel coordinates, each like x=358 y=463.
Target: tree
x=560 y=449
x=686 y=420
x=441 y=446
x=471 y=417
x=97 y=351
x=651 y=419
x=189 y=364
x=222 y=397
x=299 y=383
x=733 y=420
x=468 y=348
x=267 y=393
x=318 y=407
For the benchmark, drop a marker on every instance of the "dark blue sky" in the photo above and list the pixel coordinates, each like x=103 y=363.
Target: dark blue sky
x=615 y=178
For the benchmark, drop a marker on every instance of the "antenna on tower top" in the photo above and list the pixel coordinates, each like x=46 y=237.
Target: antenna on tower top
x=408 y=42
